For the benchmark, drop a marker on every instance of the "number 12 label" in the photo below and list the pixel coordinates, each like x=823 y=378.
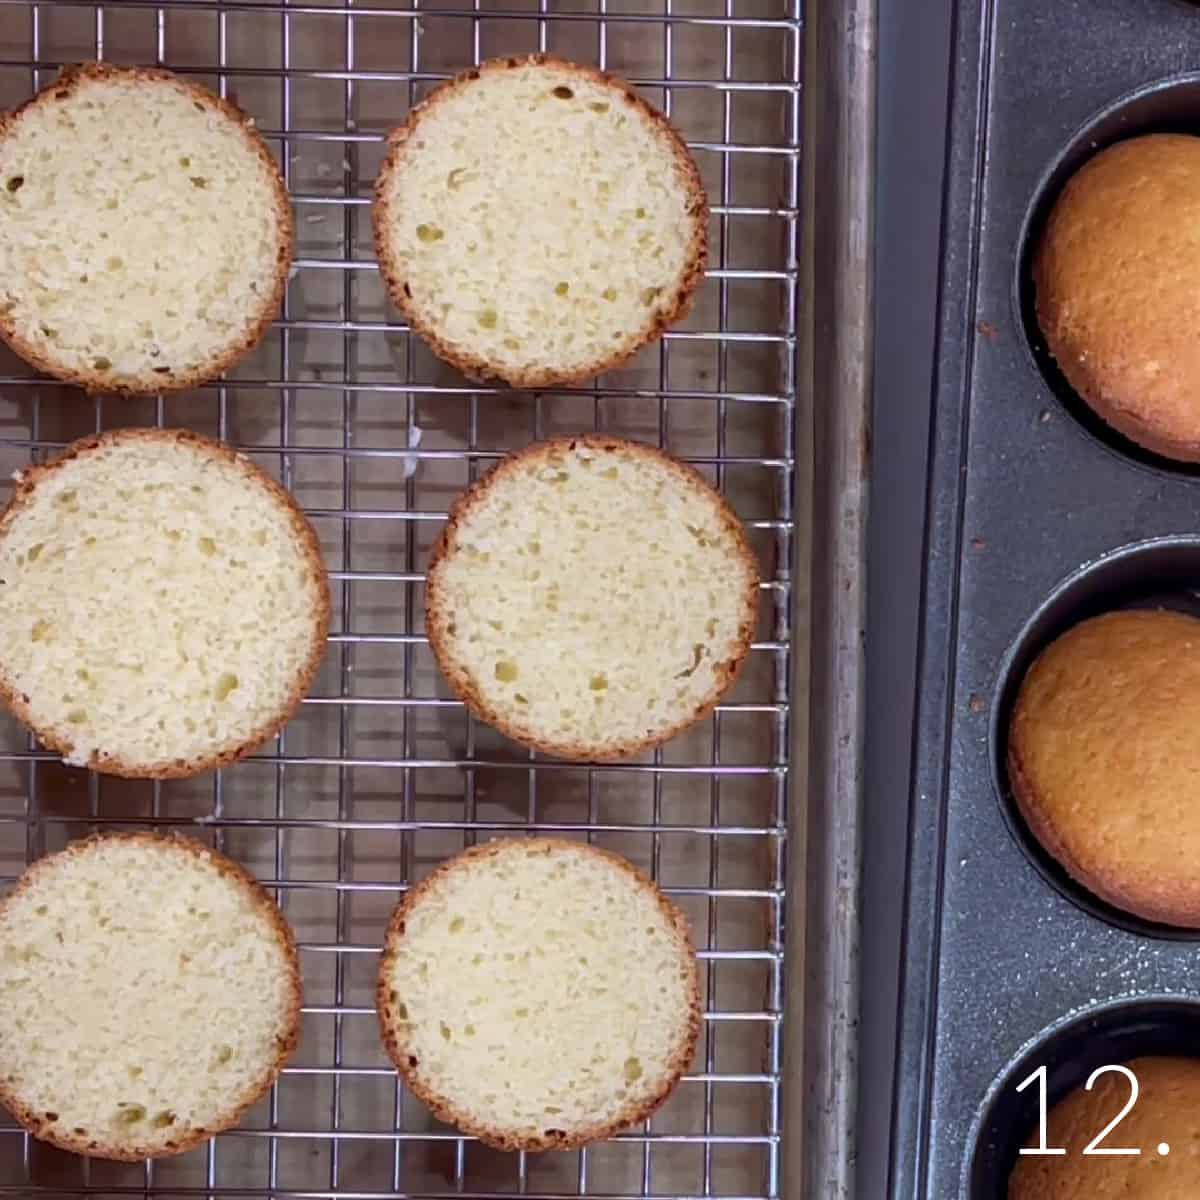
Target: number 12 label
x=1093 y=1147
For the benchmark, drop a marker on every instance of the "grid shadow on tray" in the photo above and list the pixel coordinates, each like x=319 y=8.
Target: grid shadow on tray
x=382 y=774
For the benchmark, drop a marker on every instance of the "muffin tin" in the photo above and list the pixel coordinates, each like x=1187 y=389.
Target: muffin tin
x=1038 y=516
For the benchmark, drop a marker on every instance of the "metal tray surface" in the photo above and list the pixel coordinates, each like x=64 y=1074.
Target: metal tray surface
x=1037 y=517
x=382 y=774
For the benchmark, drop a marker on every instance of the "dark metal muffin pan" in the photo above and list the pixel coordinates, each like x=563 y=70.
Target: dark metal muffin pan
x=1038 y=516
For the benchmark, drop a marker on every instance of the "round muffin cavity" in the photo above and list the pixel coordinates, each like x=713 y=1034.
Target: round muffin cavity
x=591 y=597
x=145 y=231
x=1117 y=289
x=151 y=994
x=538 y=222
x=1102 y=758
x=164 y=606
x=539 y=994
x=1165 y=1115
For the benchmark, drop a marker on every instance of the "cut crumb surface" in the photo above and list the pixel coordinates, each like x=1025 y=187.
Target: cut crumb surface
x=539 y=994
x=591 y=597
x=538 y=221
x=145 y=230
x=164 y=605
x=150 y=991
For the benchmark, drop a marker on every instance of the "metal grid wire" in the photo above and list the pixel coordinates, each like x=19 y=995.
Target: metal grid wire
x=381 y=775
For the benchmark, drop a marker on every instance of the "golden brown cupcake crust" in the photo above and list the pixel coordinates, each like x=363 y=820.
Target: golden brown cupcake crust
x=1117 y=280
x=1104 y=760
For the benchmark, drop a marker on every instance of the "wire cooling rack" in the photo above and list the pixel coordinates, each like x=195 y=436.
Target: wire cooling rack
x=381 y=774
